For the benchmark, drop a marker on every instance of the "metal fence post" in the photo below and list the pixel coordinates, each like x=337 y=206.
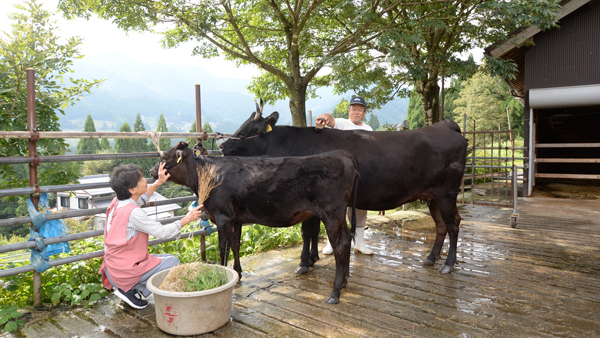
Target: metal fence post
x=33 y=177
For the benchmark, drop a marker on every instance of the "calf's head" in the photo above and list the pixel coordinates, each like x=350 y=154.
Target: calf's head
x=174 y=163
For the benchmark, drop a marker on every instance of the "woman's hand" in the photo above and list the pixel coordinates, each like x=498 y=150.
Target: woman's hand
x=192 y=216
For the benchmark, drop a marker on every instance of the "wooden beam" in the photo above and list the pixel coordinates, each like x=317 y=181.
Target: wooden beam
x=590 y=177
x=567 y=145
x=567 y=160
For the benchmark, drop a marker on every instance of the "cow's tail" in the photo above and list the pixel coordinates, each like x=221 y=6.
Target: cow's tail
x=353 y=197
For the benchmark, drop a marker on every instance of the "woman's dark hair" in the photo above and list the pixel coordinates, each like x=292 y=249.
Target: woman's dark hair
x=123 y=178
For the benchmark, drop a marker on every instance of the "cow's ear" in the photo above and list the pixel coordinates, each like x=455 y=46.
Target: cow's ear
x=270 y=121
x=182 y=145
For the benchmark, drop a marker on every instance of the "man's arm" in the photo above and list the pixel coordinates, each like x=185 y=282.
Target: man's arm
x=325 y=120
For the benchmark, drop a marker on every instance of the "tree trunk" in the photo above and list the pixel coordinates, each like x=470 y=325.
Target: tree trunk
x=298 y=105
x=430 y=99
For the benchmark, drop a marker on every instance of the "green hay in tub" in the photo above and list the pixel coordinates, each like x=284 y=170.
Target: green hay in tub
x=193 y=277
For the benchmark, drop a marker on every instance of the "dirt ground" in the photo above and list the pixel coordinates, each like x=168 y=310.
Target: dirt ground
x=574 y=189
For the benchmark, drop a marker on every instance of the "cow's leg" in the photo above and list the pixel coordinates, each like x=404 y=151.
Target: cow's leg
x=223 y=246
x=440 y=229
x=339 y=237
x=452 y=219
x=235 y=247
x=310 y=236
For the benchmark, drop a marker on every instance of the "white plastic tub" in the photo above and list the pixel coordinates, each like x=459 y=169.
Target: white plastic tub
x=191 y=313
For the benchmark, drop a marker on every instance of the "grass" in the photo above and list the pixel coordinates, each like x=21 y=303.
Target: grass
x=193 y=277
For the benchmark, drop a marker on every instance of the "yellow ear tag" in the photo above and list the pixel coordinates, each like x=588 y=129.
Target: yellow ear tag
x=179 y=159
x=269 y=128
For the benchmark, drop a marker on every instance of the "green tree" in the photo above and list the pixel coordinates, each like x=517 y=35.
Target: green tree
x=33 y=43
x=104 y=144
x=165 y=143
x=207 y=144
x=141 y=145
x=373 y=121
x=341 y=109
x=88 y=145
x=432 y=37
x=484 y=99
x=99 y=167
x=414 y=114
x=124 y=145
x=289 y=41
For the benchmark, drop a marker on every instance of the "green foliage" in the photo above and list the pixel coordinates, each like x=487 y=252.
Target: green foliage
x=100 y=166
x=207 y=144
x=165 y=143
x=105 y=145
x=172 y=190
x=76 y=283
x=207 y=277
x=388 y=127
x=289 y=45
x=9 y=315
x=373 y=121
x=484 y=99
x=429 y=40
x=141 y=145
x=88 y=145
x=414 y=114
x=124 y=145
x=341 y=109
x=33 y=43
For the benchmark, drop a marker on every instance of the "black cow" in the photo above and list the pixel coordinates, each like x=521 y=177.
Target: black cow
x=276 y=192
x=396 y=167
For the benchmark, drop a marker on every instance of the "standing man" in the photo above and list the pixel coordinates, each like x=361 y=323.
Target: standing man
x=127 y=265
x=356 y=113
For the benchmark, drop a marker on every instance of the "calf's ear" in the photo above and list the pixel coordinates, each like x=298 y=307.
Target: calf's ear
x=182 y=145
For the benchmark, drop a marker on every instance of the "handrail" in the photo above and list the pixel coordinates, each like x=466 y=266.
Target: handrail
x=101 y=134
x=89 y=255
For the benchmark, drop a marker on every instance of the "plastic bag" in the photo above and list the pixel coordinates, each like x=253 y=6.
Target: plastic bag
x=45 y=229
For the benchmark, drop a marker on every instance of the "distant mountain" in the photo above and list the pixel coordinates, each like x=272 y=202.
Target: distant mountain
x=152 y=89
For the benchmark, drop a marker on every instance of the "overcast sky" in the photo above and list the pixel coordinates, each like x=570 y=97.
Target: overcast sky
x=104 y=36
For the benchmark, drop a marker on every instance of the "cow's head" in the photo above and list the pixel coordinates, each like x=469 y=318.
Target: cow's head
x=173 y=159
x=257 y=124
x=254 y=126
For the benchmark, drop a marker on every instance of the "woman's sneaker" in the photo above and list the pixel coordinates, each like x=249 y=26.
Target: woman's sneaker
x=132 y=297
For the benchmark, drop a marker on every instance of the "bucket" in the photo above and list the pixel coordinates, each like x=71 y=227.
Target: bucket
x=191 y=313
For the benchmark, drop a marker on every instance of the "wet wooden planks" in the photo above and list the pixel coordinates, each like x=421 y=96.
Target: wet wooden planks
x=541 y=279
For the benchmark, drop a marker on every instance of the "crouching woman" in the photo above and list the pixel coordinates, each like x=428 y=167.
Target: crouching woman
x=127 y=265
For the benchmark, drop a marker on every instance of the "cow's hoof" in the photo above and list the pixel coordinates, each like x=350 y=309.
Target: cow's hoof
x=428 y=262
x=300 y=270
x=447 y=269
x=332 y=300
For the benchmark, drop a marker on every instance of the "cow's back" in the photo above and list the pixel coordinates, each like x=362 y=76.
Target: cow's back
x=395 y=167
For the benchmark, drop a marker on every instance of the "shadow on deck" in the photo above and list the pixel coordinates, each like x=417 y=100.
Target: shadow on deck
x=540 y=279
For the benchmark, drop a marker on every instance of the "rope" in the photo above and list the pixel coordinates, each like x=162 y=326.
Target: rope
x=153 y=136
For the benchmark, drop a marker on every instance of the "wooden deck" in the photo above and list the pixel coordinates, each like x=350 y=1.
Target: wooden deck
x=541 y=279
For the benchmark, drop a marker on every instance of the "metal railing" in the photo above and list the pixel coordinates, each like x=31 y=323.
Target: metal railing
x=33 y=160
x=490 y=173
